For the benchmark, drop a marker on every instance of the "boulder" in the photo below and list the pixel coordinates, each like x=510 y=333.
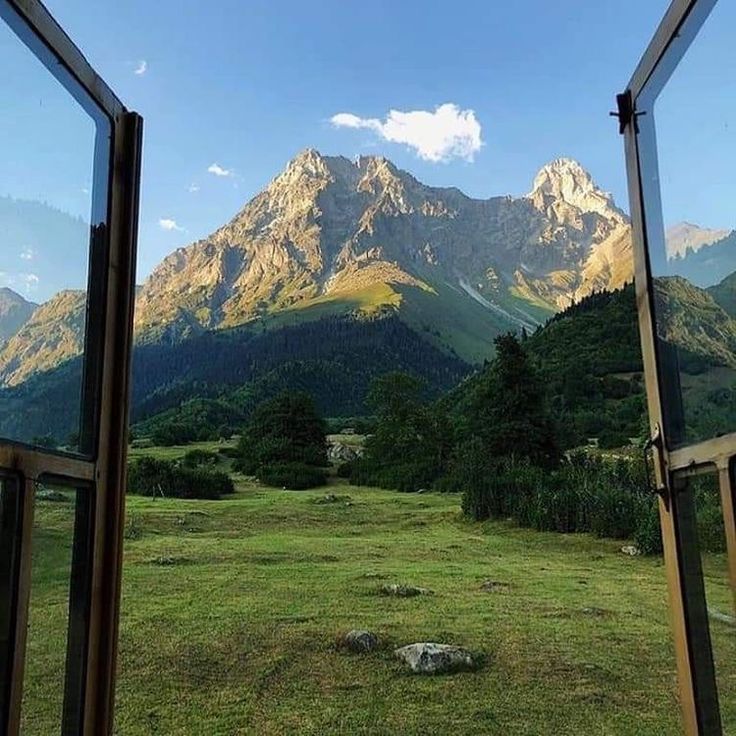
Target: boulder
x=360 y=641
x=338 y=452
x=429 y=658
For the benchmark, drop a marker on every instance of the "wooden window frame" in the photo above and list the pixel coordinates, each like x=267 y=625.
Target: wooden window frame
x=675 y=464
x=102 y=468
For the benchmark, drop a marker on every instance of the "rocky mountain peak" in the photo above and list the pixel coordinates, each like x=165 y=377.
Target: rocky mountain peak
x=686 y=236
x=15 y=311
x=565 y=180
x=9 y=298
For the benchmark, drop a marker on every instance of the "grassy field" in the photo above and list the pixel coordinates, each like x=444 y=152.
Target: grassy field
x=231 y=610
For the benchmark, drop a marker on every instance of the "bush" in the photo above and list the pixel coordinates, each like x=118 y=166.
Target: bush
x=711 y=532
x=406 y=477
x=229 y=452
x=494 y=489
x=292 y=475
x=558 y=507
x=197 y=457
x=345 y=470
x=587 y=494
x=149 y=476
x=648 y=535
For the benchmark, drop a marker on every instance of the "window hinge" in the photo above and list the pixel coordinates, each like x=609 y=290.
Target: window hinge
x=625 y=112
x=656 y=442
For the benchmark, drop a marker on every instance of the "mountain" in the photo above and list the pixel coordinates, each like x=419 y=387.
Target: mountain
x=15 y=311
x=53 y=334
x=336 y=272
x=724 y=294
x=42 y=246
x=330 y=235
x=684 y=237
x=709 y=264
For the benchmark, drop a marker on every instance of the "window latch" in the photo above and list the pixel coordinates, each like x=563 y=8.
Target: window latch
x=656 y=443
x=625 y=112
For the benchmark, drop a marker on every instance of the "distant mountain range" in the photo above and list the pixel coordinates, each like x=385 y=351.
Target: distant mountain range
x=338 y=251
x=330 y=236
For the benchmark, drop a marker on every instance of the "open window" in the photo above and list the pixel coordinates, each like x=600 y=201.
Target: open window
x=680 y=152
x=69 y=186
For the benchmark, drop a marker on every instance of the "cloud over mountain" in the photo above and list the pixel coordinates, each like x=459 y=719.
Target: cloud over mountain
x=439 y=136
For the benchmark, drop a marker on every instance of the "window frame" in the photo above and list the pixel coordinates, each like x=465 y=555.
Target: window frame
x=102 y=467
x=674 y=463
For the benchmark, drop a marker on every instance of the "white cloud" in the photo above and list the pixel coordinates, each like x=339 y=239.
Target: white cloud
x=166 y=223
x=218 y=170
x=442 y=135
x=193 y=188
x=30 y=281
x=141 y=68
x=27 y=254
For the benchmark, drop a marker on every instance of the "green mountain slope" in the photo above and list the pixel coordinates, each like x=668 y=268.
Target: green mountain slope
x=332 y=358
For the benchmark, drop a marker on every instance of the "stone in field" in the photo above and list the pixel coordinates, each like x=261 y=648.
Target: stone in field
x=360 y=641
x=430 y=658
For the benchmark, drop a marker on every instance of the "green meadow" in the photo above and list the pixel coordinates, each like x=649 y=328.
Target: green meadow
x=231 y=611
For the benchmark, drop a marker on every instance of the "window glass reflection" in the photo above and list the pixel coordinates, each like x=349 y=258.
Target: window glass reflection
x=54 y=155
x=693 y=247
x=57 y=612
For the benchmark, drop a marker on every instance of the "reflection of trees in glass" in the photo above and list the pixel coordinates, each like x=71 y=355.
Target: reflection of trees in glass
x=699 y=325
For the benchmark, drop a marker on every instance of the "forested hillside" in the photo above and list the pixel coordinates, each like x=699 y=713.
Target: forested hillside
x=589 y=360
x=226 y=374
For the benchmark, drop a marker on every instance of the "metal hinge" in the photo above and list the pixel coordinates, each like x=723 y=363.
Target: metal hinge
x=656 y=442
x=625 y=112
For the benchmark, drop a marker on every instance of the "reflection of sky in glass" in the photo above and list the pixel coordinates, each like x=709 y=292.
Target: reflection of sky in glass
x=695 y=117
x=46 y=160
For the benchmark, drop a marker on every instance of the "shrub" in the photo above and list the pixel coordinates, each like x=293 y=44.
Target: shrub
x=230 y=452
x=558 y=507
x=587 y=494
x=496 y=488
x=711 y=532
x=197 y=457
x=648 y=535
x=295 y=476
x=149 y=476
x=345 y=470
x=615 y=512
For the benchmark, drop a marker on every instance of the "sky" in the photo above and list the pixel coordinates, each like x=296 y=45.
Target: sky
x=474 y=94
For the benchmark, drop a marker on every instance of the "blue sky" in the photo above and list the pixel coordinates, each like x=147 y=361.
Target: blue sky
x=240 y=87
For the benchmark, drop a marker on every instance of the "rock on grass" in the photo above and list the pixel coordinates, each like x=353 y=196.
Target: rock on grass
x=359 y=641
x=429 y=658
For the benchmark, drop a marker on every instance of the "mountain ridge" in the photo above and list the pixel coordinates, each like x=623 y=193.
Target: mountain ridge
x=327 y=226
x=330 y=236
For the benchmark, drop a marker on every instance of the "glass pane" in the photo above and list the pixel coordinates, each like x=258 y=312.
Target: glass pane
x=54 y=149
x=9 y=537
x=719 y=597
x=57 y=616
x=693 y=244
